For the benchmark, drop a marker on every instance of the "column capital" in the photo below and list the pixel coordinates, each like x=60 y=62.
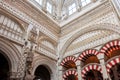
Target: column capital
x=102 y=61
x=78 y=63
x=60 y=68
x=100 y=56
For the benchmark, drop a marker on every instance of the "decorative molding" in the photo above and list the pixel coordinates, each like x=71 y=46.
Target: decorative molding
x=48 y=49
x=105 y=26
x=11 y=30
x=27 y=19
x=46 y=53
x=101 y=14
x=92 y=44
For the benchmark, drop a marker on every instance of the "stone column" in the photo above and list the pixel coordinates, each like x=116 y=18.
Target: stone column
x=78 y=64
x=60 y=68
x=104 y=70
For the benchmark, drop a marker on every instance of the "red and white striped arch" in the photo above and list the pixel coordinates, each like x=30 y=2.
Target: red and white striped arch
x=84 y=55
x=69 y=58
x=70 y=72
x=111 y=63
x=91 y=67
x=110 y=46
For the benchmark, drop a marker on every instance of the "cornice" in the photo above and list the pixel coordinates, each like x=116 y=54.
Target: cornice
x=27 y=19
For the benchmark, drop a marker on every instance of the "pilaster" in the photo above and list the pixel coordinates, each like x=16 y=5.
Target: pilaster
x=104 y=71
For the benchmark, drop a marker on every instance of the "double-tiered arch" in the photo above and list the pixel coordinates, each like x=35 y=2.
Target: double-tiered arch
x=89 y=67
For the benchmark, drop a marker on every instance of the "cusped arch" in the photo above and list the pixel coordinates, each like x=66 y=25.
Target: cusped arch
x=110 y=46
x=85 y=54
x=105 y=26
x=70 y=72
x=89 y=67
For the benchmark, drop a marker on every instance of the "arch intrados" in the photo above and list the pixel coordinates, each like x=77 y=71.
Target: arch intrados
x=91 y=52
x=68 y=58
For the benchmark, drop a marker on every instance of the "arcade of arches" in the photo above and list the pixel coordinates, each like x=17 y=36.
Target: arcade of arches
x=94 y=65
x=59 y=44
